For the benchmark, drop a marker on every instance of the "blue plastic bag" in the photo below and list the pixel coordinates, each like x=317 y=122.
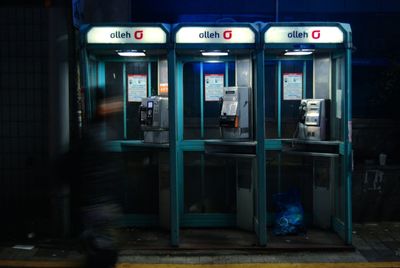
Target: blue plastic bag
x=289 y=213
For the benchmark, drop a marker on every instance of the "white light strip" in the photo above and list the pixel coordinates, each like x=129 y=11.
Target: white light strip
x=214 y=53
x=212 y=35
x=126 y=35
x=298 y=53
x=304 y=34
x=131 y=53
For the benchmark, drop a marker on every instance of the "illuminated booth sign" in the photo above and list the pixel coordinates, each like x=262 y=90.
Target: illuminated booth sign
x=126 y=35
x=314 y=34
x=220 y=35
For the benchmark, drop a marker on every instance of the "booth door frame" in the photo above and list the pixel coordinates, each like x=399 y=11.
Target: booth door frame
x=343 y=227
x=196 y=219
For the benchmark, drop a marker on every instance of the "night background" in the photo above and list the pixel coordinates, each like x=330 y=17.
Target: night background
x=38 y=84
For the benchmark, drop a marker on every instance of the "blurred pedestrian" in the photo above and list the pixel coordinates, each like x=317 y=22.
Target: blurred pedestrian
x=100 y=175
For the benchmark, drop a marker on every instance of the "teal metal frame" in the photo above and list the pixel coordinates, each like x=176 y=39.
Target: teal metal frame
x=347 y=135
x=201 y=101
x=279 y=99
x=174 y=150
x=261 y=224
x=344 y=229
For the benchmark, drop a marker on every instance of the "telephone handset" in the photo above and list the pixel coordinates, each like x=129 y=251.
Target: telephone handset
x=302 y=111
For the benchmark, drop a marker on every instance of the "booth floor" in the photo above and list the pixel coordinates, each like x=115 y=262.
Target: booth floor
x=209 y=239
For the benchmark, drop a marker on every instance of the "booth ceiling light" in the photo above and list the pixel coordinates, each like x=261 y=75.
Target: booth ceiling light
x=299 y=52
x=214 y=53
x=131 y=53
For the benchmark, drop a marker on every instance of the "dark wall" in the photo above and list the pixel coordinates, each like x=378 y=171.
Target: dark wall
x=172 y=10
x=376 y=65
x=23 y=117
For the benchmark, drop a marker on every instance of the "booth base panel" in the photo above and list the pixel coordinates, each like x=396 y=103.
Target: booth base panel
x=230 y=239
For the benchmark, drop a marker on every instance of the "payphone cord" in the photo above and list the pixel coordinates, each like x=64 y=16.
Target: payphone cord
x=296 y=133
x=220 y=102
x=140 y=119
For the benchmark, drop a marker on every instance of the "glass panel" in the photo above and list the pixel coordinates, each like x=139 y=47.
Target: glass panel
x=309 y=79
x=212 y=108
x=287 y=173
x=193 y=185
x=313 y=178
x=340 y=80
x=192 y=98
x=231 y=74
x=340 y=191
x=271 y=107
x=336 y=107
x=132 y=107
x=290 y=108
x=114 y=89
x=139 y=189
x=209 y=184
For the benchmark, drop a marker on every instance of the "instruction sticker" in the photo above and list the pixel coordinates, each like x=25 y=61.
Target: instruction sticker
x=213 y=86
x=338 y=103
x=350 y=131
x=292 y=86
x=137 y=87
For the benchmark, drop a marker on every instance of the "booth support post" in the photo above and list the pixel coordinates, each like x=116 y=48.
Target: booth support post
x=173 y=148
x=260 y=137
x=124 y=77
x=279 y=73
x=348 y=161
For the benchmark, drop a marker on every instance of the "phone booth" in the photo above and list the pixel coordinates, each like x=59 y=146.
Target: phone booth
x=125 y=73
x=307 y=68
x=215 y=182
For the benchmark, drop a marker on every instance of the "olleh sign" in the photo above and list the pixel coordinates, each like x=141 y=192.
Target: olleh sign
x=121 y=35
x=211 y=35
x=316 y=34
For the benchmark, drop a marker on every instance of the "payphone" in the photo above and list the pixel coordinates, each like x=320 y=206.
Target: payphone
x=313 y=122
x=153 y=119
x=235 y=113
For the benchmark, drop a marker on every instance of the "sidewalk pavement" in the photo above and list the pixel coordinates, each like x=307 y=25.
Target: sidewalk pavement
x=376 y=245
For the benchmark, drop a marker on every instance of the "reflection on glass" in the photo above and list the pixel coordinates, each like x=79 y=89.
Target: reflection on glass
x=209 y=184
x=289 y=108
x=125 y=124
x=200 y=97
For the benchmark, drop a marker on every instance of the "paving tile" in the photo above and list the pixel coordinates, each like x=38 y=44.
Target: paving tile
x=370 y=255
x=360 y=243
x=12 y=253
